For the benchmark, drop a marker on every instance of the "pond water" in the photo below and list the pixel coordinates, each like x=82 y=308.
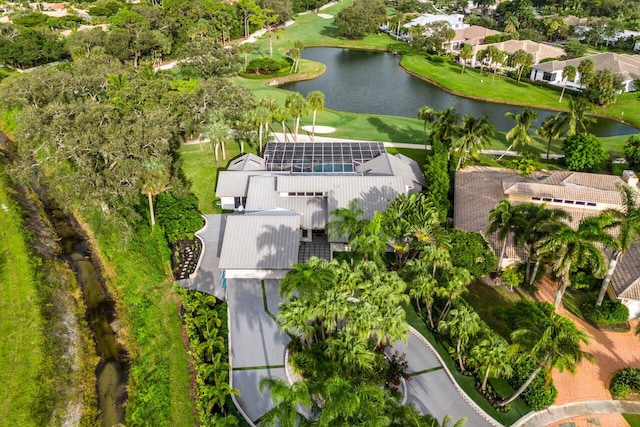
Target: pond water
x=373 y=83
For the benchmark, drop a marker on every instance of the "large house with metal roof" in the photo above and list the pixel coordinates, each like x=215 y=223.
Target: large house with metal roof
x=295 y=186
x=479 y=189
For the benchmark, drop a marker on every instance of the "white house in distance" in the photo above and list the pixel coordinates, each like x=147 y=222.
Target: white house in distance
x=455 y=21
x=479 y=189
x=284 y=200
x=624 y=65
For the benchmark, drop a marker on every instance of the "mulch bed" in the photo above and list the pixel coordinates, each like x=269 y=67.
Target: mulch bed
x=184 y=257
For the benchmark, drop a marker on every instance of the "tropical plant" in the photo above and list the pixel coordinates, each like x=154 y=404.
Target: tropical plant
x=569 y=72
x=632 y=150
x=492 y=358
x=286 y=400
x=281 y=113
x=626 y=222
x=522 y=59
x=504 y=219
x=552 y=128
x=217 y=131
x=155 y=179
x=552 y=341
x=446 y=126
x=461 y=324
x=466 y=53
x=586 y=68
x=568 y=248
x=583 y=151
x=426 y=114
x=519 y=134
x=298 y=106
x=474 y=138
x=315 y=99
x=261 y=116
x=577 y=119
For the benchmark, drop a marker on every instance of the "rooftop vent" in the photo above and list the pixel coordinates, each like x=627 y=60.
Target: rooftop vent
x=630 y=177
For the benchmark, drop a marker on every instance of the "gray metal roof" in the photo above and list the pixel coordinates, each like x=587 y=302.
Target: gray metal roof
x=398 y=165
x=264 y=241
x=235 y=183
x=248 y=162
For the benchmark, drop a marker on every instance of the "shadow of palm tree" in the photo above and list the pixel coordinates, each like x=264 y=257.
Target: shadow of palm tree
x=396 y=133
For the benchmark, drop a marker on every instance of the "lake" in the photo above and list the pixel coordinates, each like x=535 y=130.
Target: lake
x=373 y=83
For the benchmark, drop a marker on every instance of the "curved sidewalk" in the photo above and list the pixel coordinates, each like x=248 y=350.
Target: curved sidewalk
x=576 y=409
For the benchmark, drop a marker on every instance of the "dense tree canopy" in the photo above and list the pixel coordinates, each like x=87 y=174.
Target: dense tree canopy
x=364 y=17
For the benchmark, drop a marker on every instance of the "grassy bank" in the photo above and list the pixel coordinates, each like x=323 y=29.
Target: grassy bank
x=21 y=325
x=135 y=270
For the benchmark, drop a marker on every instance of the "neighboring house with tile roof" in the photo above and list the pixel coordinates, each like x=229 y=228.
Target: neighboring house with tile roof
x=540 y=51
x=479 y=189
x=624 y=65
x=472 y=35
x=308 y=180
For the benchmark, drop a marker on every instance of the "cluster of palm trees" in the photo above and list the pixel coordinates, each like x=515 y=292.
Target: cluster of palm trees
x=205 y=322
x=548 y=236
x=467 y=136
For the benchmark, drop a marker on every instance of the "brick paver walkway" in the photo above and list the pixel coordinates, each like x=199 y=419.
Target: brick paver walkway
x=612 y=351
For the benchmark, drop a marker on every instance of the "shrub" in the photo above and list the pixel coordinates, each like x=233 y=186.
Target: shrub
x=584 y=280
x=625 y=381
x=609 y=313
x=512 y=276
x=267 y=65
x=178 y=215
x=583 y=152
x=632 y=151
x=540 y=394
x=472 y=252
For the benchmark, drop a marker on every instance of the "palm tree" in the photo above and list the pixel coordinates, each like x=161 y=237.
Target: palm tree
x=155 y=179
x=504 y=219
x=218 y=133
x=553 y=342
x=627 y=221
x=295 y=56
x=245 y=49
x=286 y=400
x=466 y=53
x=569 y=248
x=298 y=106
x=551 y=128
x=316 y=103
x=569 y=72
x=347 y=221
x=461 y=324
x=522 y=59
x=475 y=137
x=281 y=114
x=577 y=119
x=519 y=134
x=261 y=116
x=496 y=57
x=586 y=67
x=454 y=282
x=491 y=355
x=446 y=126
x=426 y=114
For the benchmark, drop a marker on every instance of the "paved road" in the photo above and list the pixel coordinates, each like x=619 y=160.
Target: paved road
x=207 y=278
x=257 y=346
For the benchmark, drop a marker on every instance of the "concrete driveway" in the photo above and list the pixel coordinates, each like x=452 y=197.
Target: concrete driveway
x=257 y=346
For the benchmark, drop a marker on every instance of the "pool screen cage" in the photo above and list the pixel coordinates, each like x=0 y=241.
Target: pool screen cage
x=319 y=157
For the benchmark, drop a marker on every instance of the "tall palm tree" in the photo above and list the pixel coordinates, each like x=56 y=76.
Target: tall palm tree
x=474 y=137
x=155 y=179
x=446 y=126
x=454 y=282
x=569 y=72
x=553 y=342
x=217 y=131
x=316 y=103
x=504 y=219
x=627 y=222
x=491 y=356
x=522 y=59
x=534 y=220
x=286 y=400
x=496 y=58
x=577 y=119
x=298 y=106
x=261 y=116
x=281 y=113
x=519 y=134
x=466 y=53
x=568 y=248
x=346 y=221
x=461 y=324
x=552 y=128
x=426 y=114
x=586 y=68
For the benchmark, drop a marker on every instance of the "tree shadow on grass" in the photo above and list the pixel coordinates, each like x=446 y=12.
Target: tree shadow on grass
x=396 y=133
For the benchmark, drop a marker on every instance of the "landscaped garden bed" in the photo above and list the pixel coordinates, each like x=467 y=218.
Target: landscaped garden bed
x=184 y=257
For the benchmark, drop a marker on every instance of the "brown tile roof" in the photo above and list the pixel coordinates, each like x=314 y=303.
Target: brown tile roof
x=478 y=189
x=575 y=21
x=539 y=51
x=474 y=34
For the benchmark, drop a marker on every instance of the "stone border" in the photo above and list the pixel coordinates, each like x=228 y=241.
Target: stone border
x=577 y=409
x=204 y=227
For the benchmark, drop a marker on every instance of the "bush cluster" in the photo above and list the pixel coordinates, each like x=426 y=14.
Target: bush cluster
x=625 y=381
x=267 y=65
x=541 y=393
x=609 y=313
x=178 y=215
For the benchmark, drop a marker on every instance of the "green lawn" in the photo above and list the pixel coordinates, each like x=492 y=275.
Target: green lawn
x=200 y=169
x=632 y=419
x=21 y=325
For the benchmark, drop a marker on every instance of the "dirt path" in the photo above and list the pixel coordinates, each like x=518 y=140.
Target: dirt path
x=612 y=351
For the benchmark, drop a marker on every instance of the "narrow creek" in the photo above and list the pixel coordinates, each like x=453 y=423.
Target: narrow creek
x=112 y=370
